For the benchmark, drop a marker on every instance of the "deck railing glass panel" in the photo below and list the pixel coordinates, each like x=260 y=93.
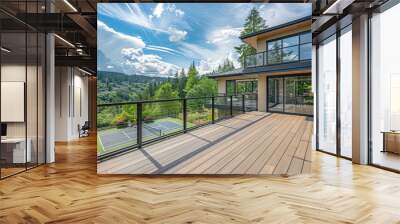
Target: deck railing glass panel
x=130 y=125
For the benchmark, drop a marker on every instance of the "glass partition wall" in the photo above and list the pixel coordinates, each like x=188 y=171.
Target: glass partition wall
x=22 y=77
x=385 y=90
x=334 y=88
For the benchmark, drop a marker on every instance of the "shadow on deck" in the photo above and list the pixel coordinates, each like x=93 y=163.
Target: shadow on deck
x=251 y=143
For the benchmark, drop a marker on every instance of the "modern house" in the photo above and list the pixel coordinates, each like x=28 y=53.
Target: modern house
x=343 y=131
x=279 y=73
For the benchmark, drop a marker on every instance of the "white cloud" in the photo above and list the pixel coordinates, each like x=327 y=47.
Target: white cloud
x=158 y=10
x=129 y=13
x=127 y=54
x=176 y=35
x=172 y=9
x=163 y=49
x=134 y=41
x=146 y=64
x=279 y=13
x=222 y=41
x=224 y=35
x=179 y=12
x=209 y=59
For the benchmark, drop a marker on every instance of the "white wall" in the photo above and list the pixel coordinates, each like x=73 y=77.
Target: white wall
x=71 y=102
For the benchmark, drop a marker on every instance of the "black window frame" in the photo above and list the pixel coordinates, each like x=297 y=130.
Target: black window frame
x=298 y=46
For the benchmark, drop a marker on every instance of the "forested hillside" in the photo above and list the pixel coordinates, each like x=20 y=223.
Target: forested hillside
x=114 y=87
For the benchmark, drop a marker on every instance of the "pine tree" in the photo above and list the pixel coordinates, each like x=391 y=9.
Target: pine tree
x=226 y=66
x=182 y=84
x=253 y=23
x=175 y=83
x=192 y=78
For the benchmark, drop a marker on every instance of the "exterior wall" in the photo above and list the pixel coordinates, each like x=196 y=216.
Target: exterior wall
x=221 y=86
x=262 y=84
x=262 y=92
x=261 y=42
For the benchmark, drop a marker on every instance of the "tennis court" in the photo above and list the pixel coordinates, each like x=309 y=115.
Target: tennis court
x=118 y=138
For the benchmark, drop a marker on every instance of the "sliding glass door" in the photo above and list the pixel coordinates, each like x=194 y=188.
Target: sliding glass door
x=290 y=94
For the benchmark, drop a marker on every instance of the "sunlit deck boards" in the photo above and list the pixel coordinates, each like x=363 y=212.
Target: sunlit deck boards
x=252 y=143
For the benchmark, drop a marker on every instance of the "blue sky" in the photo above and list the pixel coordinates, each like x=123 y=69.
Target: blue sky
x=158 y=39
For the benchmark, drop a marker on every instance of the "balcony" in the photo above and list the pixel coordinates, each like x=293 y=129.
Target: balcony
x=288 y=49
x=267 y=58
x=235 y=140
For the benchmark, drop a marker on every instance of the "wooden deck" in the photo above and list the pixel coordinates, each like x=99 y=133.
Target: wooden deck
x=252 y=143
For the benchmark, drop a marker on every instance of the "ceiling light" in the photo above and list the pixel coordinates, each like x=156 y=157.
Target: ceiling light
x=86 y=72
x=64 y=40
x=70 y=5
x=5 y=50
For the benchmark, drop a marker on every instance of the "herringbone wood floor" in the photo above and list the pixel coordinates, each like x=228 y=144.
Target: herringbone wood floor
x=70 y=191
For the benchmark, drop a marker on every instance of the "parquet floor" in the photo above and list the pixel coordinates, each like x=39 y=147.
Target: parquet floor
x=251 y=143
x=70 y=191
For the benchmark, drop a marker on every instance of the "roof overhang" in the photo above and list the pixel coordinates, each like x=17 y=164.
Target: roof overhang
x=284 y=68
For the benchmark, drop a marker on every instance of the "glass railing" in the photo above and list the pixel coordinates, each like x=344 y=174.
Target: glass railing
x=255 y=60
x=301 y=52
x=130 y=125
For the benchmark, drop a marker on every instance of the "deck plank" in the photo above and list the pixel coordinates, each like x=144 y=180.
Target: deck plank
x=251 y=143
x=251 y=153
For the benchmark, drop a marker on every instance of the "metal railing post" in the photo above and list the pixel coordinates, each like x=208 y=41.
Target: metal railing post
x=243 y=105
x=184 y=108
x=212 y=110
x=139 y=125
x=231 y=106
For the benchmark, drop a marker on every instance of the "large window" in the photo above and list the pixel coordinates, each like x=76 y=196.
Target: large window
x=289 y=49
x=327 y=95
x=237 y=87
x=385 y=89
x=346 y=92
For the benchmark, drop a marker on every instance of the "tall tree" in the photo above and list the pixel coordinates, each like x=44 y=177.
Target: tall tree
x=226 y=66
x=175 y=82
x=165 y=91
x=253 y=23
x=182 y=84
x=204 y=88
x=192 y=78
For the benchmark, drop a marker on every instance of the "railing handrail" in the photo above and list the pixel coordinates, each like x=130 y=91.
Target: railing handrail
x=168 y=100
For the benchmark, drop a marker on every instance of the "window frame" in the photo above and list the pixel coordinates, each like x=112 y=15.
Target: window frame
x=281 y=49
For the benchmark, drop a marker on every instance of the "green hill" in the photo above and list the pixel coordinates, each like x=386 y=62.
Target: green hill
x=114 y=87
